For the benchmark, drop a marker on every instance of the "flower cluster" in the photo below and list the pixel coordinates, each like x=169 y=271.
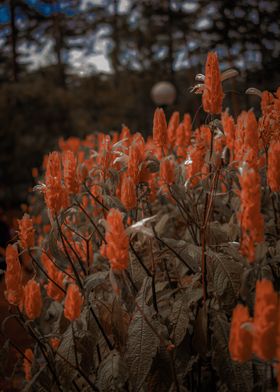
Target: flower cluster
x=169 y=232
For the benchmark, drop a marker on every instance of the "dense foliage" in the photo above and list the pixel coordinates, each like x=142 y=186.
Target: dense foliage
x=155 y=264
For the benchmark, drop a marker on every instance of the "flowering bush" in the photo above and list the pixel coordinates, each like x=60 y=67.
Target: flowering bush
x=156 y=263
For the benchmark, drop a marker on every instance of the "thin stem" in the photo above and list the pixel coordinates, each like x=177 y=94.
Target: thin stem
x=91 y=221
x=155 y=305
x=95 y=198
x=139 y=259
x=42 y=349
x=173 y=368
x=175 y=253
x=68 y=256
x=79 y=370
x=45 y=273
x=107 y=340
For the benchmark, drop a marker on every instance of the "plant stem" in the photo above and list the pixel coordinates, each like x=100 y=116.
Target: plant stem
x=139 y=259
x=91 y=221
x=45 y=273
x=107 y=340
x=68 y=256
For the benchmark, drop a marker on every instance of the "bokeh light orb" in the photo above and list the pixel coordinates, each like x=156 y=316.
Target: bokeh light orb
x=163 y=93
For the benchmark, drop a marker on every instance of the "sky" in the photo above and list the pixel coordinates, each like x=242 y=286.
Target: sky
x=80 y=62
x=94 y=58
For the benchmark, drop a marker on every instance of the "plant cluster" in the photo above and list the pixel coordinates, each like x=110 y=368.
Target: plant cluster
x=155 y=264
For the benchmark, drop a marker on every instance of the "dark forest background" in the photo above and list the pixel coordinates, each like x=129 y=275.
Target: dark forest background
x=148 y=42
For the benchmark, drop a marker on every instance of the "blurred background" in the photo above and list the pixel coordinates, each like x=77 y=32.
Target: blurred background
x=71 y=67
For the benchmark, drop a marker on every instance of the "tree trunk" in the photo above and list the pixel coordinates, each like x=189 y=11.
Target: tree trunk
x=15 y=67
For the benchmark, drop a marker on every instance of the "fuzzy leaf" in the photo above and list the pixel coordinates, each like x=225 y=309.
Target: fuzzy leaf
x=238 y=377
x=181 y=314
x=226 y=278
x=188 y=252
x=94 y=280
x=112 y=373
x=142 y=342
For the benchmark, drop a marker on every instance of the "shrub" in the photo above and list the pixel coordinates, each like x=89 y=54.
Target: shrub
x=145 y=250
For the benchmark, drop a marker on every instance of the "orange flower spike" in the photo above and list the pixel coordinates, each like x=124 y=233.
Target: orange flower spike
x=229 y=130
x=273 y=167
x=188 y=127
x=125 y=135
x=128 y=193
x=251 y=219
x=70 y=172
x=265 y=320
x=134 y=160
x=181 y=136
x=213 y=95
x=13 y=276
x=54 y=166
x=26 y=232
x=196 y=162
x=105 y=156
x=251 y=136
x=32 y=299
x=159 y=128
x=267 y=101
x=56 y=196
x=240 y=339
x=73 y=302
x=116 y=249
x=57 y=276
x=167 y=171
x=181 y=142
x=27 y=363
x=172 y=127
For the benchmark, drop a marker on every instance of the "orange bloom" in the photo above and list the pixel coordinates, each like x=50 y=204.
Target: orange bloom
x=213 y=95
x=136 y=157
x=72 y=143
x=269 y=123
x=265 y=320
x=56 y=196
x=57 y=276
x=70 y=172
x=54 y=166
x=105 y=156
x=55 y=342
x=125 y=136
x=26 y=232
x=240 y=339
x=229 y=130
x=128 y=193
x=116 y=249
x=167 y=171
x=188 y=127
x=181 y=142
x=13 y=276
x=32 y=299
x=73 y=302
x=251 y=219
x=273 y=167
x=172 y=126
x=27 y=364
x=159 y=128
x=195 y=164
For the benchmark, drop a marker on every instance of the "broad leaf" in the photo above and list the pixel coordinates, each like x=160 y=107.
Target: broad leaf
x=142 y=342
x=226 y=278
x=112 y=373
